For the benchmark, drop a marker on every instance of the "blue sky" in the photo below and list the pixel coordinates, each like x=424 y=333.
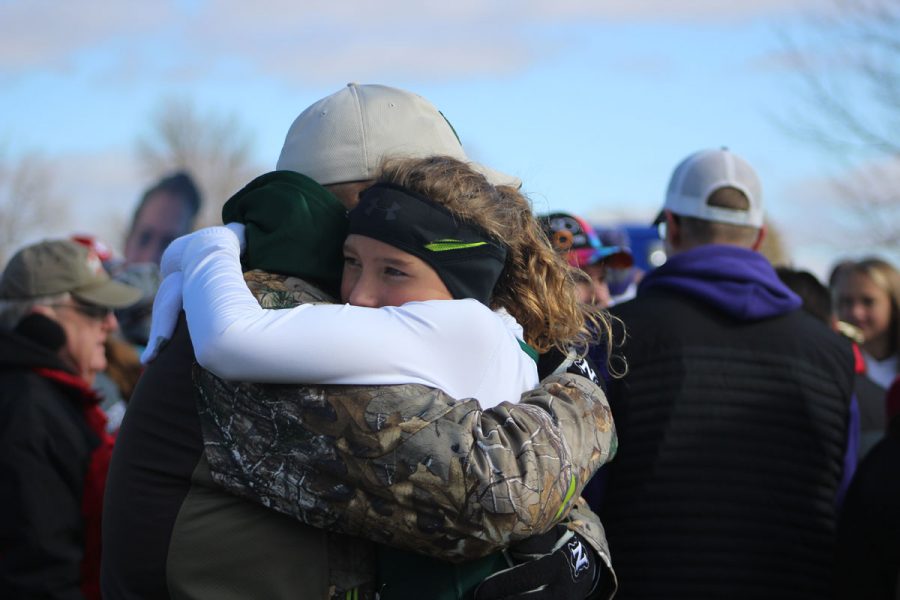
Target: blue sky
x=590 y=103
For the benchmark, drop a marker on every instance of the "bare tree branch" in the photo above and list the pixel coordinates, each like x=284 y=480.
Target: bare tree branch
x=28 y=203
x=849 y=75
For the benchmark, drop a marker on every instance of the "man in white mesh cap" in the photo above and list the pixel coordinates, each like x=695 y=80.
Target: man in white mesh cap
x=169 y=529
x=733 y=417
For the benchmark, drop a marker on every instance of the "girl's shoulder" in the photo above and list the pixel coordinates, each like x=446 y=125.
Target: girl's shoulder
x=472 y=312
x=452 y=308
x=462 y=323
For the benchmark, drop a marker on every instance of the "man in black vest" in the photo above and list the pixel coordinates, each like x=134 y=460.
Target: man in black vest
x=733 y=417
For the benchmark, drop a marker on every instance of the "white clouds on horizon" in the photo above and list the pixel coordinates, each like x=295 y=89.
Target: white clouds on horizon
x=678 y=11
x=319 y=37
x=40 y=34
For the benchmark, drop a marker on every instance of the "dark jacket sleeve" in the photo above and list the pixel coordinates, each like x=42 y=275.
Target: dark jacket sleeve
x=41 y=535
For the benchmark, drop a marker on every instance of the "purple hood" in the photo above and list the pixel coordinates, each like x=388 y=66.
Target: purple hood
x=736 y=281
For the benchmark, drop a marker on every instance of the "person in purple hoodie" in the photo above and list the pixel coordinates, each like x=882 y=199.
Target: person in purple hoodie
x=733 y=417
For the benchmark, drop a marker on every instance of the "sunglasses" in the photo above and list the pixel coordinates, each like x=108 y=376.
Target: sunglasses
x=92 y=311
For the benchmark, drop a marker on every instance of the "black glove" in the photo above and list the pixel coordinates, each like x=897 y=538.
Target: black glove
x=553 y=566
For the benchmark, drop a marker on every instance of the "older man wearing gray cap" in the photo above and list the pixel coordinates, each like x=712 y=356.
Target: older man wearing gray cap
x=56 y=305
x=176 y=533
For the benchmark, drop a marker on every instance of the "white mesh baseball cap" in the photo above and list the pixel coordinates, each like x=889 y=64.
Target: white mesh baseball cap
x=344 y=137
x=704 y=172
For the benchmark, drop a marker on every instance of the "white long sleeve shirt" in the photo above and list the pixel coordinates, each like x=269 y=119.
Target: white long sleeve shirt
x=459 y=346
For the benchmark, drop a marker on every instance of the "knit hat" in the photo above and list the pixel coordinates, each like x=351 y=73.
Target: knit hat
x=583 y=245
x=345 y=136
x=294 y=227
x=702 y=173
x=58 y=266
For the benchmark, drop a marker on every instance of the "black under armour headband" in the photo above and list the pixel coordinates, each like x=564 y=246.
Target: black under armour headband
x=466 y=258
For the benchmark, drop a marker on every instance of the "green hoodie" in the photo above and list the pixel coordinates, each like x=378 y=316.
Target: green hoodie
x=294 y=227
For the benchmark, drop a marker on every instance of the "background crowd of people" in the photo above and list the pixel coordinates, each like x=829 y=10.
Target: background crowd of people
x=731 y=426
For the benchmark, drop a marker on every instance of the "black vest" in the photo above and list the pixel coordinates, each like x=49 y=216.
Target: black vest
x=731 y=443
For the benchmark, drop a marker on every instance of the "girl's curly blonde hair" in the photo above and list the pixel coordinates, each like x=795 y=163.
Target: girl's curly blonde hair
x=537 y=286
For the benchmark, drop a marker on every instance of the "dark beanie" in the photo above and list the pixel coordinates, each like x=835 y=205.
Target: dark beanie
x=294 y=227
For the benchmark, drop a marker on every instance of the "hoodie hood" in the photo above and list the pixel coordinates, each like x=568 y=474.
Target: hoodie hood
x=736 y=281
x=34 y=345
x=294 y=227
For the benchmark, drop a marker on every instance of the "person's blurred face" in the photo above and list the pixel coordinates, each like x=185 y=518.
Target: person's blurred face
x=597 y=290
x=377 y=274
x=87 y=326
x=163 y=218
x=863 y=304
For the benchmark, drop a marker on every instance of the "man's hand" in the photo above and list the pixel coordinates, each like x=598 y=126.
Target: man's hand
x=558 y=564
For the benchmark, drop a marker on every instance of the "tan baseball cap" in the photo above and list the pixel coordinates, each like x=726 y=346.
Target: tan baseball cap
x=58 y=266
x=345 y=136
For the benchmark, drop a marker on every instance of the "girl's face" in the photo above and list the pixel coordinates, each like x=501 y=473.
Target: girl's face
x=862 y=303
x=377 y=274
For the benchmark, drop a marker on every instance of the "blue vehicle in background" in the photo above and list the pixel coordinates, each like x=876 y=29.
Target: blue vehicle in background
x=643 y=240
x=646 y=246
x=646 y=249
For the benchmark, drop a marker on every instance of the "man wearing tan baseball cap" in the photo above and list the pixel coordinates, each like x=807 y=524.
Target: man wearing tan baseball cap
x=172 y=528
x=56 y=305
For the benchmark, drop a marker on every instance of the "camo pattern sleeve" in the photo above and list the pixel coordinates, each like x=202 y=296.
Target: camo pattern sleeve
x=405 y=465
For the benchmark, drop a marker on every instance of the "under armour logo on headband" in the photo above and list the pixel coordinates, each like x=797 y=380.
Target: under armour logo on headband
x=383 y=205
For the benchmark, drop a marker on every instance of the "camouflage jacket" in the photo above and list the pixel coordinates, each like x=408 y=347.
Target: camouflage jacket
x=406 y=465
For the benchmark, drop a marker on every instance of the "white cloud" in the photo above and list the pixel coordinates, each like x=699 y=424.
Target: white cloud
x=316 y=38
x=670 y=10
x=433 y=16
x=46 y=34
